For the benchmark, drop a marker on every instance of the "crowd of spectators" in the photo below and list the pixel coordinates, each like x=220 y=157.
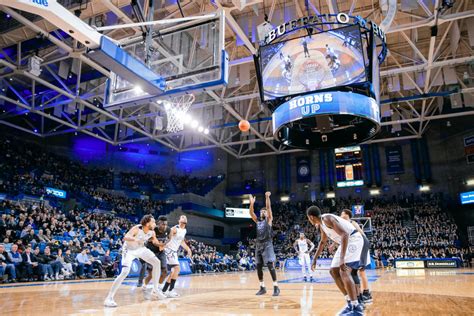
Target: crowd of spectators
x=39 y=242
x=29 y=169
x=434 y=233
x=42 y=243
x=207 y=259
x=200 y=186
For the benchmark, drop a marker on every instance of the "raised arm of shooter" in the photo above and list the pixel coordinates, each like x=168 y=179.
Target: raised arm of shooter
x=268 y=206
x=251 y=209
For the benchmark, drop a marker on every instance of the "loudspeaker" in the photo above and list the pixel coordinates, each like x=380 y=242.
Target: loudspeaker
x=324 y=123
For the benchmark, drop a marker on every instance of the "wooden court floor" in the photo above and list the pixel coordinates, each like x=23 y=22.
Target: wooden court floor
x=401 y=292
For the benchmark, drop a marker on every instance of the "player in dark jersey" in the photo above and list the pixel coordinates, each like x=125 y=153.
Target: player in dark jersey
x=365 y=296
x=162 y=232
x=264 y=253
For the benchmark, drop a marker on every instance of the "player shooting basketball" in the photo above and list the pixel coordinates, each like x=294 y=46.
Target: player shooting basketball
x=264 y=253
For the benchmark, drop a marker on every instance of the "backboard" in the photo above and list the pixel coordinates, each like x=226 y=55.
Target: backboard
x=187 y=54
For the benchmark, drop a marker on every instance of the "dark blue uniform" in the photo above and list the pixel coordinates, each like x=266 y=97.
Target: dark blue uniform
x=264 y=252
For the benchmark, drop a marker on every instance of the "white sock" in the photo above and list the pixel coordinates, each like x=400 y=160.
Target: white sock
x=347 y=298
x=262 y=284
x=354 y=303
x=275 y=283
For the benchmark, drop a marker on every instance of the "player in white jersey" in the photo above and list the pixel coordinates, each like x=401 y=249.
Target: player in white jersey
x=301 y=247
x=346 y=260
x=176 y=239
x=134 y=248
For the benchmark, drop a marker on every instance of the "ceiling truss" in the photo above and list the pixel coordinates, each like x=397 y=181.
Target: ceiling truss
x=56 y=106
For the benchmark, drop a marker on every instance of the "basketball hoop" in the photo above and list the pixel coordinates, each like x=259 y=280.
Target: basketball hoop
x=176 y=112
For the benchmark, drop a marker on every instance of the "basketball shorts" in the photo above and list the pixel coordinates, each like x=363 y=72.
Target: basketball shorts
x=365 y=255
x=353 y=252
x=264 y=253
x=128 y=255
x=304 y=260
x=162 y=257
x=171 y=257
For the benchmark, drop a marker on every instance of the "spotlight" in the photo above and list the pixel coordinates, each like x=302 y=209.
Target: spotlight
x=374 y=192
x=324 y=138
x=206 y=131
x=138 y=89
x=200 y=129
x=36 y=131
x=194 y=124
x=424 y=188
x=187 y=119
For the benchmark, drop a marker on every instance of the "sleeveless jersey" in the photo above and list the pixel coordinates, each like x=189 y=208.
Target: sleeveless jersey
x=141 y=236
x=176 y=240
x=331 y=233
x=163 y=237
x=264 y=231
x=302 y=245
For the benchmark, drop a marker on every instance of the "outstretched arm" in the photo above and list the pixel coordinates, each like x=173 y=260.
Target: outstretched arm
x=251 y=209
x=322 y=243
x=157 y=242
x=356 y=226
x=172 y=233
x=189 y=253
x=268 y=206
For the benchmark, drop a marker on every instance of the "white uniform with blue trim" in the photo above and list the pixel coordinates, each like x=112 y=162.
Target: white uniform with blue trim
x=303 y=256
x=136 y=249
x=354 y=246
x=171 y=249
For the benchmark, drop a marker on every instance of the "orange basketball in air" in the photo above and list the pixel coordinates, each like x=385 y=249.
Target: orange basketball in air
x=244 y=125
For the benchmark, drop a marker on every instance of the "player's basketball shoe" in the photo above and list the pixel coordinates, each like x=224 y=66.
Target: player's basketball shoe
x=276 y=291
x=311 y=279
x=157 y=295
x=346 y=311
x=172 y=294
x=358 y=310
x=305 y=279
x=109 y=302
x=367 y=297
x=262 y=291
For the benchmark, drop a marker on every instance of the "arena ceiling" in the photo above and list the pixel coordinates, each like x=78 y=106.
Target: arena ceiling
x=424 y=77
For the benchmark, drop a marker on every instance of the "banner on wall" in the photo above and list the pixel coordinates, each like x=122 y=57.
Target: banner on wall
x=394 y=157
x=469 y=149
x=303 y=169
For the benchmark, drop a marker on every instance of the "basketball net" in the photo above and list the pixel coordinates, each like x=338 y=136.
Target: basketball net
x=176 y=111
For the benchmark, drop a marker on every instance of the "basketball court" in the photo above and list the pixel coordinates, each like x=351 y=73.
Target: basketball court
x=184 y=81
x=401 y=292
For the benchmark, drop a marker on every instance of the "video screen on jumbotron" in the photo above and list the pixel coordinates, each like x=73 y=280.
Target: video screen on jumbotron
x=320 y=61
x=349 y=167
